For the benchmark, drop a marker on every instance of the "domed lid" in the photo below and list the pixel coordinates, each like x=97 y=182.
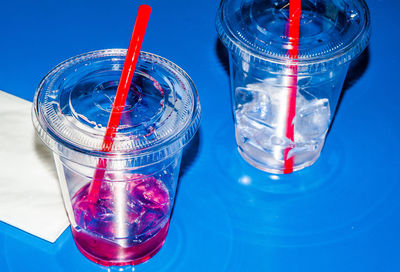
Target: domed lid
x=330 y=30
x=73 y=103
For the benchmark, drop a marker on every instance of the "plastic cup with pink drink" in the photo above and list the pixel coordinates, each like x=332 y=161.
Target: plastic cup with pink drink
x=129 y=221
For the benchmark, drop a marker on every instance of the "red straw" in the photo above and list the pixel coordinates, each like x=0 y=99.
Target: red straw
x=294 y=33
x=128 y=70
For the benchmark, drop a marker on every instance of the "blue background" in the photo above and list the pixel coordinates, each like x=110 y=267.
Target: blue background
x=341 y=214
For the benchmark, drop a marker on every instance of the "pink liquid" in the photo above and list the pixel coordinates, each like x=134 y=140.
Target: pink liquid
x=127 y=225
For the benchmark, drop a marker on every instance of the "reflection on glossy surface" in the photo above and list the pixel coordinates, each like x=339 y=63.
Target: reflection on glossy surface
x=310 y=207
x=120 y=269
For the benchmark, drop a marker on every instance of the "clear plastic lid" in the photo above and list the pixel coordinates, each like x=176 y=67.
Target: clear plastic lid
x=73 y=103
x=331 y=31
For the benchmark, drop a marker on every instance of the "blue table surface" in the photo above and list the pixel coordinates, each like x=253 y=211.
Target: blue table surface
x=341 y=214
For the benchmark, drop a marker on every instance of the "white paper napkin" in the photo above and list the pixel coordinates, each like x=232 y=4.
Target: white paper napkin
x=30 y=198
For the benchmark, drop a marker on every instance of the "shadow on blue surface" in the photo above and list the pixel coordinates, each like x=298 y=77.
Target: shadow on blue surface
x=357 y=68
x=190 y=153
x=222 y=54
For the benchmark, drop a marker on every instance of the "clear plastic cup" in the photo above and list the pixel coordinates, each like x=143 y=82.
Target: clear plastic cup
x=332 y=33
x=129 y=221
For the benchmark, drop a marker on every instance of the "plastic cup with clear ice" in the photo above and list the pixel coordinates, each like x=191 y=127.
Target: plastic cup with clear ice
x=128 y=222
x=332 y=34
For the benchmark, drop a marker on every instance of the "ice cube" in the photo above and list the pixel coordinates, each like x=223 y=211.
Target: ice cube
x=245 y=127
x=104 y=225
x=260 y=107
x=150 y=222
x=135 y=211
x=268 y=141
x=263 y=138
x=134 y=179
x=152 y=193
x=83 y=212
x=312 y=120
x=243 y=95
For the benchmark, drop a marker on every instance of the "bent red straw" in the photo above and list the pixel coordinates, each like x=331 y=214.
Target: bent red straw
x=128 y=70
x=294 y=33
